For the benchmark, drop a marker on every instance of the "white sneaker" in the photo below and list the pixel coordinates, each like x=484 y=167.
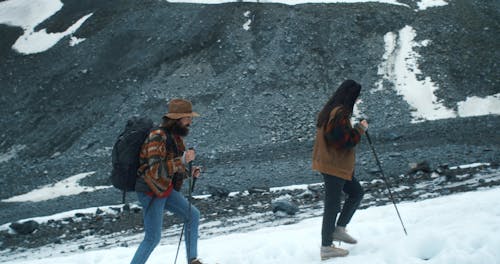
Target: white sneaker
x=340 y=234
x=332 y=252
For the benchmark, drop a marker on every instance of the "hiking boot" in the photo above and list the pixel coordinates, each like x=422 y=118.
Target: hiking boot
x=196 y=261
x=340 y=234
x=332 y=252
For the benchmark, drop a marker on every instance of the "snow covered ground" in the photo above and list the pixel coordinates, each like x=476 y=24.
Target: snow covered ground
x=455 y=229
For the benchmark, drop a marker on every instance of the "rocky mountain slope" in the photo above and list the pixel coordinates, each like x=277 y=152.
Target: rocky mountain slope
x=258 y=90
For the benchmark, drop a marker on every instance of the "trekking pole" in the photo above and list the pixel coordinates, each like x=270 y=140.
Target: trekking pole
x=188 y=233
x=179 y=245
x=188 y=240
x=385 y=180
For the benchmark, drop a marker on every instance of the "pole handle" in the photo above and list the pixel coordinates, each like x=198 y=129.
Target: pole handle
x=192 y=179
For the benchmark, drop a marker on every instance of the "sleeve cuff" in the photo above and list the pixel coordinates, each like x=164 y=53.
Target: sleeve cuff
x=360 y=126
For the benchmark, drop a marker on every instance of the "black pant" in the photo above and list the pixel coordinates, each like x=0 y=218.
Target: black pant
x=333 y=191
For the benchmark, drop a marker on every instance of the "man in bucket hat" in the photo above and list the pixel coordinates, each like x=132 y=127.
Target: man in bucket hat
x=162 y=168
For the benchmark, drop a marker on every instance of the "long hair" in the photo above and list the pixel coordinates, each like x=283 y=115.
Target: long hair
x=345 y=96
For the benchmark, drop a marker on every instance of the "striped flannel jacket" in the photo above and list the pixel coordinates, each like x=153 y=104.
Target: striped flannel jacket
x=158 y=162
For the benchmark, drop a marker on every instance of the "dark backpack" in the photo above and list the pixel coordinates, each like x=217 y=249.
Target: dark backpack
x=125 y=155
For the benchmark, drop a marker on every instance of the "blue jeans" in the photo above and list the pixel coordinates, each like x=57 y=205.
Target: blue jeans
x=153 y=222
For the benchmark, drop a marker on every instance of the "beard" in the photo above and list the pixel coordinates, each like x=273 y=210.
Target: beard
x=180 y=130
